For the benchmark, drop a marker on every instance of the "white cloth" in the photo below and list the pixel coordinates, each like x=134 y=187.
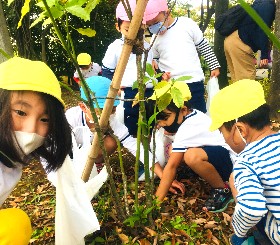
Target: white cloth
x=194 y=132
x=74 y=216
x=75 y=117
x=9 y=177
x=93 y=70
x=112 y=57
x=176 y=50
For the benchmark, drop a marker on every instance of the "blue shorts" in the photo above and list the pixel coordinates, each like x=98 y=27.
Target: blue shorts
x=131 y=114
x=219 y=157
x=197 y=101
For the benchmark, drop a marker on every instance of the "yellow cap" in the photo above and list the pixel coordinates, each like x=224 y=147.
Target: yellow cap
x=15 y=227
x=234 y=101
x=23 y=74
x=83 y=59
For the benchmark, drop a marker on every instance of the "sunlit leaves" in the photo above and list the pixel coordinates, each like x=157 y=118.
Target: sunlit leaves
x=86 y=32
x=24 y=11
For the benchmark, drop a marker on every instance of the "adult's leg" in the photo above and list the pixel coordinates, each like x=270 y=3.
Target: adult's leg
x=241 y=58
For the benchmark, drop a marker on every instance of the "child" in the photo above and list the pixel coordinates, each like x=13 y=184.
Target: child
x=205 y=152
x=175 y=49
x=87 y=67
x=80 y=116
x=33 y=125
x=256 y=169
x=109 y=64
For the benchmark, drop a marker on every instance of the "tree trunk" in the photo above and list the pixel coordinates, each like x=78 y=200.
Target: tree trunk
x=221 y=6
x=5 y=40
x=274 y=93
x=23 y=34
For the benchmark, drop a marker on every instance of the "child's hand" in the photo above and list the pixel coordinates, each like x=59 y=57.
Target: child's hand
x=215 y=73
x=166 y=76
x=155 y=65
x=177 y=185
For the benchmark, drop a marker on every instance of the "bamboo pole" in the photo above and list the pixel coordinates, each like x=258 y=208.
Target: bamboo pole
x=116 y=81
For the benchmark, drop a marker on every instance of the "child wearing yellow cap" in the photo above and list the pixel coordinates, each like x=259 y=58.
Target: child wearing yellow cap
x=87 y=67
x=205 y=152
x=242 y=115
x=33 y=125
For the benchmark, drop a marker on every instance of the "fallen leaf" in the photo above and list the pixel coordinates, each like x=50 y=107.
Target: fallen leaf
x=150 y=231
x=124 y=238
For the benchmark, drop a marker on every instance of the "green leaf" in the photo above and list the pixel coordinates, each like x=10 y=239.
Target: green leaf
x=99 y=239
x=39 y=19
x=163 y=90
x=135 y=85
x=10 y=1
x=183 y=78
x=161 y=84
x=86 y=32
x=91 y=5
x=152 y=118
x=150 y=70
x=71 y=3
x=164 y=101
x=177 y=97
x=79 y=12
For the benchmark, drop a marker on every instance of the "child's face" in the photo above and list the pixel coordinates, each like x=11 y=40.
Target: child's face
x=124 y=27
x=233 y=138
x=157 y=21
x=29 y=113
x=170 y=118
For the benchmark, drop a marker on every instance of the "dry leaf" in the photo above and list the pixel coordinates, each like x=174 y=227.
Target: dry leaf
x=210 y=224
x=144 y=242
x=215 y=240
x=227 y=218
x=199 y=221
x=150 y=231
x=124 y=238
x=192 y=201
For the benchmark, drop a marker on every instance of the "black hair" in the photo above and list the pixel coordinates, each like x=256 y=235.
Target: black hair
x=150 y=109
x=257 y=119
x=119 y=22
x=57 y=145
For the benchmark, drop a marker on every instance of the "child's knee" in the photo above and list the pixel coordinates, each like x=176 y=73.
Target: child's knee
x=192 y=157
x=15 y=227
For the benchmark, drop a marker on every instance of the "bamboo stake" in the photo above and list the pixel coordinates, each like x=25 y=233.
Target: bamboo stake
x=116 y=81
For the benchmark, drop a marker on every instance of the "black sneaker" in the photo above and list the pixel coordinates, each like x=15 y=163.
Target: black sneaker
x=218 y=200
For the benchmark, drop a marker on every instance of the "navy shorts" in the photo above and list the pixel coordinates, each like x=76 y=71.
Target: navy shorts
x=219 y=157
x=131 y=114
x=197 y=101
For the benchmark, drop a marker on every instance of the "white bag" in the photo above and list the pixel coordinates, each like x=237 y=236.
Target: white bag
x=80 y=153
x=212 y=89
x=74 y=216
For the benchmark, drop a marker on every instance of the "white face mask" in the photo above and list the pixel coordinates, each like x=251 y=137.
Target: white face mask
x=29 y=142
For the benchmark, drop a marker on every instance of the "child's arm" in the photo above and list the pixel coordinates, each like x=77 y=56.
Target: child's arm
x=175 y=184
x=168 y=174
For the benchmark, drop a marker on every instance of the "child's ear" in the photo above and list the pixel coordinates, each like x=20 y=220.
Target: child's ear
x=117 y=27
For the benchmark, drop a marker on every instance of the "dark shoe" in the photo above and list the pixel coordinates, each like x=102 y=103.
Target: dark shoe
x=235 y=240
x=218 y=200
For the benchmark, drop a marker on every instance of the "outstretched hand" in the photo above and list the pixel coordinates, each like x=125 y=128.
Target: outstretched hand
x=175 y=186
